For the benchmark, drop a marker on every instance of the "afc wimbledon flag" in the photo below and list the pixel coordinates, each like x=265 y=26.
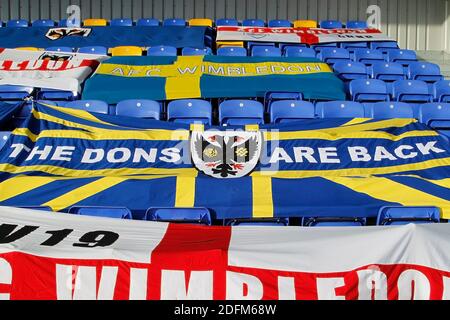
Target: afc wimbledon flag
x=167 y=78
x=63 y=157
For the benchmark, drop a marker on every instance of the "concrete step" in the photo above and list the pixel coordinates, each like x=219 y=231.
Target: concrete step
x=441 y=58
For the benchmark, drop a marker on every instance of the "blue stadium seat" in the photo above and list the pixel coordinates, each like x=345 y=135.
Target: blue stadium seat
x=183 y=215
x=121 y=22
x=43 y=23
x=368 y=90
x=388 y=110
x=253 y=23
x=13 y=92
x=59 y=49
x=348 y=70
x=321 y=46
x=387 y=71
x=4 y=135
x=53 y=94
x=89 y=105
x=62 y=23
x=174 y=22
x=330 y=24
x=147 y=22
x=368 y=56
x=251 y=44
x=139 y=108
x=275 y=222
x=333 y=222
x=436 y=115
x=189 y=111
x=94 y=50
x=106 y=212
x=266 y=51
x=241 y=112
x=405 y=215
x=441 y=91
x=382 y=45
x=162 y=51
x=354 y=24
x=333 y=55
x=354 y=45
x=227 y=22
x=413 y=91
x=425 y=71
x=284 y=46
x=232 y=51
x=282 y=111
x=188 y=51
x=276 y=23
x=299 y=52
x=20 y=23
x=404 y=57
x=339 y=109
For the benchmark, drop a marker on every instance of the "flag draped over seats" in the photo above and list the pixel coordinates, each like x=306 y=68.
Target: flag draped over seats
x=7 y=111
x=166 y=78
x=62 y=157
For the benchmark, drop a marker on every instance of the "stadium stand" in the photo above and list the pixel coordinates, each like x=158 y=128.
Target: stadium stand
x=89 y=105
x=4 y=135
x=200 y=22
x=95 y=22
x=354 y=24
x=404 y=57
x=20 y=23
x=388 y=110
x=253 y=23
x=339 y=109
x=333 y=222
x=148 y=109
x=333 y=55
x=425 y=71
x=185 y=215
x=13 y=92
x=232 y=51
x=305 y=24
x=59 y=49
x=227 y=22
x=162 y=51
x=94 y=50
x=126 y=51
x=241 y=112
x=279 y=23
x=279 y=222
x=330 y=24
x=412 y=91
x=283 y=111
x=348 y=70
x=107 y=212
x=405 y=215
x=188 y=51
x=436 y=115
x=43 y=23
x=266 y=51
x=174 y=22
x=121 y=22
x=299 y=52
x=189 y=111
x=369 y=90
x=145 y=22
x=441 y=91
x=368 y=57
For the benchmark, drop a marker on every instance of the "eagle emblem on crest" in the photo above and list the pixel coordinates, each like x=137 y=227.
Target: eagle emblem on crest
x=225 y=154
x=60 y=33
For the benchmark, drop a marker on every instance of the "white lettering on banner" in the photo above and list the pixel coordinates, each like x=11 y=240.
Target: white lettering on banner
x=5 y=277
x=359 y=154
x=138 y=284
x=286 y=288
x=89 y=153
x=446 y=285
x=372 y=285
x=326 y=288
x=18 y=147
x=413 y=285
x=63 y=153
x=173 y=285
x=236 y=282
x=328 y=155
x=43 y=154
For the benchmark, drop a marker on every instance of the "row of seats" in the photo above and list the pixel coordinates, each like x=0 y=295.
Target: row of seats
x=275 y=23
x=203 y=216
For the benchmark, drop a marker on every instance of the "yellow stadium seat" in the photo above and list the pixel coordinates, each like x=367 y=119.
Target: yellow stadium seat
x=229 y=44
x=305 y=24
x=126 y=51
x=28 y=48
x=95 y=22
x=201 y=22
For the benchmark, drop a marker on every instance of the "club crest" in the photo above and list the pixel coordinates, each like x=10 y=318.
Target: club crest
x=226 y=154
x=60 y=33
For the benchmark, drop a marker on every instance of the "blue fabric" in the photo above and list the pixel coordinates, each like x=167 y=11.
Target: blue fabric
x=7 y=111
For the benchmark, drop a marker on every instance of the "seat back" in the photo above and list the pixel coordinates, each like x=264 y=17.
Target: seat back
x=241 y=112
x=353 y=24
x=94 y=50
x=403 y=57
x=184 y=215
x=174 y=22
x=232 y=51
x=387 y=71
x=121 y=22
x=349 y=70
x=266 y=51
x=339 y=109
x=333 y=222
x=162 y=51
x=389 y=110
x=95 y=23
x=89 y=105
x=299 y=52
x=189 y=111
x=436 y=115
x=139 y=108
x=380 y=45
x=18 y=23
x=279 y=23
x=253 y=23
x=147 y=22
x=126 y=51
x=404 y=215
x=14 y=92
x=290 y=110
x=330 y=24
x=43 y=23
x=305 y=24
x=276 y=222
x=188 y=51
x=368 y=56
x=200 y=22
x=368 y=90
x=227 y=22
x=414 y=91
x=441 y=91
x=425 y=71
x=106 y=212
x=4 y=135
x=333 y=55
x=59 y=49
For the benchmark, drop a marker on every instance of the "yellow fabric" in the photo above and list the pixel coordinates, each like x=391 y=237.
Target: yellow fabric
x=126 y=51
x=262 y=197
x=185 y=192
x=305 y=24
x=28 y=48
x=201 y=22
x=229 y=44
x=95 y=22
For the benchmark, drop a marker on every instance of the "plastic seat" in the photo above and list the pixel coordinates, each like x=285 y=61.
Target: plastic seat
x=200 y=22
x=389 y=110
x=266 y=51
x=425 y=71
x=387 y=71
x=275 y=222
x=367 y=56
x=340 y=109
x=188 y=51
x=189 y=111
x=349 y=70
x=441 y=91
x=59 y=49
x=404 y=57
x=106 y=212
x=43 y=23
x=13 y=92
x=147 y=22
x=305 y=24
x=251 y=44
x=330 y=24
x=162 y=51
x=253 y=23
x=227 y=22
x=54 y=94
x=121 y=22
x=4 y=135
x=354 y=24
x=414 y=91
x=174 y=22
x=180 y=215
x=436 y=115
x=333 y=55
x=405 y=215
x=232 y=52
x=149 y=109
x=95 y=23
x=94 y=50
x=62 y=23
x=299 y=52
x=89 y=105
x=241 y=112
x=19 y=23
x=382 y=45
x=279 y=23
x=368 y=90
x=319 y=47
x=126 y=51
x=283 y=111
x=333 y=222
x=354 y=45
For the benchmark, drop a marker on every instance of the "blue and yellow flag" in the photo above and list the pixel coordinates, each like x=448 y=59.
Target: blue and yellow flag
x=62 y=157
x=167 y=78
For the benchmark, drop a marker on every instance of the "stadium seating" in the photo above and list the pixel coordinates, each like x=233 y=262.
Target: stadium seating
x=352 y=24
x=253 y=23
x=368 y=90
x=299 y=52
x=227 y=22
x=441 y=91
x=89 y=105
x=94 y=50
x=59 y=49
x=95 y=22
x=321 y=46
x=436 y=115
x=53 y=94
x=387 y=71
x=404 y=57
x=276 y=23
x=20 y=23
x=330 y=24
x=174 y=22
x=383 y=45
x=188 y=51
x=352 y=46
x=333 y=55
x=185 y=215
x=126 y=51
x=241 y=112
x=425 y=71
x=333 y=222
x=121 y=22
x=388 y=110
x=139 y=109
x=232 y=51
x=4 y=135
x=200 y=22
x=405 y=215
x=12 y=92
x=348 y=70
x=368 y=56
x=146 y=22
x=276 y=222
x=189 y=111
x=266 y=51
x=412 y=91
x=339 y=109
x=290 y=110
x=62 y=23
x=43 y=23
x=162 y=51
x=106 y=212
x=305 y=24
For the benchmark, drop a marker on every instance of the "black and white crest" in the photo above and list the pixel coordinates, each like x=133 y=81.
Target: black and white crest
x=59 y=33
x=226 y=154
